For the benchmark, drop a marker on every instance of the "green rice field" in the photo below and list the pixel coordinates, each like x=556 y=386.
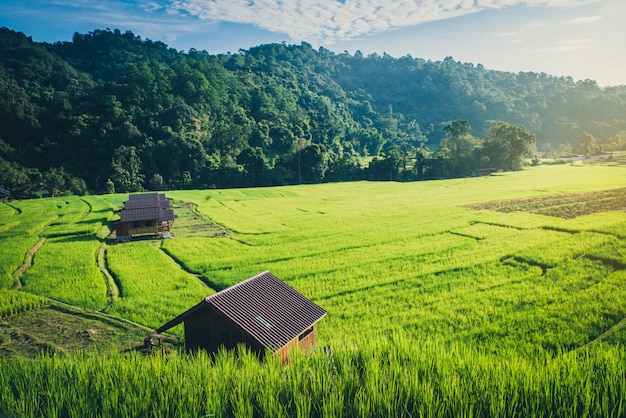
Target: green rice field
x=495 y=296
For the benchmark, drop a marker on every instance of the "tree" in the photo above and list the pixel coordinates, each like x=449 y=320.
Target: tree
x=421 y=156
x=566 y=149
x=457 y=128
x=156 y=182
x=387 y=166
x=63 y=183
x=611 y=146
x=459 y=144
x=588 y=143
x=109 y=186
x=126 y=166
x=506 y=145
x=255 y=165
x=312 y=163
x=343 y=169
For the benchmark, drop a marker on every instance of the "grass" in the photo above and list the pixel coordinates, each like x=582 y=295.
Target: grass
x=65 y=269
x=190 y=223
x=153 y=288
x=435 y=308
x=12 y=302
x=383 y=258
x=81 y=216
x=12 y=252
x=53 y=328
x=395 y=378
x=32 y=216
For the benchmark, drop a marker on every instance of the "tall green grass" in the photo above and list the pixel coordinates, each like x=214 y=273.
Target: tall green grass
x=12 y=252
x=382 y=258
x=81 y=216
x=33 y=215
x=397 y=377
x=154 y=289
x=8 y=218
x=13 y=302
x=65 y=269
x=434 y=308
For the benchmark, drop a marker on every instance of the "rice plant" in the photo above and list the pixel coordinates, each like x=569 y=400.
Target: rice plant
x=434 y=308
x=382 y=377
x=13 y=302
x=65 y=269
x=12 y=252
x=153 y=288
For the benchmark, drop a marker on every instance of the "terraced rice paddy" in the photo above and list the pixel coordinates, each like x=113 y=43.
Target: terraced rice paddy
x=494 y=296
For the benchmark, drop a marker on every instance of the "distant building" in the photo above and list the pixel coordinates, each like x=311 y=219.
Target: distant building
x=37 y=191
x=148 y=214
x=4 y=195
x=261 y=312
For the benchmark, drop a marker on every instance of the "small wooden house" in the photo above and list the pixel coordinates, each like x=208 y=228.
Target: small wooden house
x=148 y=214
x=261 y=312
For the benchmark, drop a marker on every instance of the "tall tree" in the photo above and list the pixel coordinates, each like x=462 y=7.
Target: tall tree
x=588 y=143
x=126 y=166
x=506 y=145
x=460 y=145
x=387 y=166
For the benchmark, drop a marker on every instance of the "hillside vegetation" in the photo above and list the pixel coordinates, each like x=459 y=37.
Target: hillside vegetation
x=111 y=112
x=481 y=297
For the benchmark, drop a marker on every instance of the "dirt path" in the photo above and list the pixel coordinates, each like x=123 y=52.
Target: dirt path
x=28 y=262
x=113 y=290
x=201 y=279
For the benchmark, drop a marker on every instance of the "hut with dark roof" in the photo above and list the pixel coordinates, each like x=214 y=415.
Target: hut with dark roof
x=261 y=312
x=148 y=214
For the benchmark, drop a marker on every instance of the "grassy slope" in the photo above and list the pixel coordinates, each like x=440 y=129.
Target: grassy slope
x=397 y=247
x=412 y=257
x=390 y=262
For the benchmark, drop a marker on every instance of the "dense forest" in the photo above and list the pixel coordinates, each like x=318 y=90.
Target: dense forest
x=110 y=111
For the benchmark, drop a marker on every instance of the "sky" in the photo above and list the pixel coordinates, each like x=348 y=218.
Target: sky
x=582 y=39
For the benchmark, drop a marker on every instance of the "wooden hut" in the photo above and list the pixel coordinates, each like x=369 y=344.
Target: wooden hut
x=148 y=214
x=261 y=312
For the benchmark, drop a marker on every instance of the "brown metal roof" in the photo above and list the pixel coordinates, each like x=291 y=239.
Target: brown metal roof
x=147 y=200
x=265 y=307
x=147 y=207
x=146 y=214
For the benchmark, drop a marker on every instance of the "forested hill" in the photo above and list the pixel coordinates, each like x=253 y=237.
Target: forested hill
x=111 y=111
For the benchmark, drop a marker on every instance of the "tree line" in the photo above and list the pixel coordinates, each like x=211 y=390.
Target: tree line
x=110 y=111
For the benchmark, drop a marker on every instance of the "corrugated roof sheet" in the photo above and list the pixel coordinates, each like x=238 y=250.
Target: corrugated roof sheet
x=147 y=207
x=146 y=214
x=265 y=307
x=147 y=200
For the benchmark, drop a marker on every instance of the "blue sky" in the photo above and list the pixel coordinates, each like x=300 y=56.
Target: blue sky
x=584 y=39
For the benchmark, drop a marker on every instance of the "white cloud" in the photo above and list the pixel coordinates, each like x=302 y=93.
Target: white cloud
x=506 y=34
x=585 y=19
x=536 y=24
x=568 y=46
x=329 y=21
